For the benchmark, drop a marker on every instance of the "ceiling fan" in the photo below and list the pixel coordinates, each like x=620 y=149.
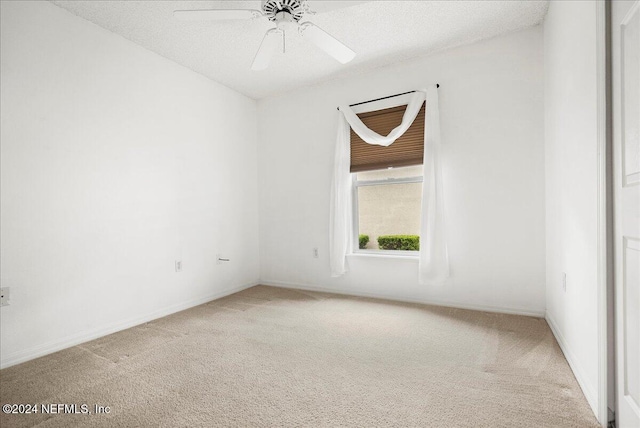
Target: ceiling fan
x=286 y=15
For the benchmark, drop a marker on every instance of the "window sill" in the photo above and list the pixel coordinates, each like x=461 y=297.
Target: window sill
x=376 y=255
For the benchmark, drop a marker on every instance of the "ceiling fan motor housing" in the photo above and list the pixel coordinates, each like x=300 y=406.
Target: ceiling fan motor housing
x=275 y=10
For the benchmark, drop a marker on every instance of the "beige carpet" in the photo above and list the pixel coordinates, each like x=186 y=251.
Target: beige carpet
x=275 y=357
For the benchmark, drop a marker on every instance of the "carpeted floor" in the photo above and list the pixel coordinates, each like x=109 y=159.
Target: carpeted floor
x=275 y=357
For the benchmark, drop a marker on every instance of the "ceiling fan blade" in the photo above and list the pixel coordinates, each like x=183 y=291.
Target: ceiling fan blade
x=216 y=14
x=324 y=6
x=326 y=42
x=268 y=47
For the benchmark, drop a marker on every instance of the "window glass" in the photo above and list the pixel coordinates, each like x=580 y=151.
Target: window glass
x=389 y=213
x=383 y=174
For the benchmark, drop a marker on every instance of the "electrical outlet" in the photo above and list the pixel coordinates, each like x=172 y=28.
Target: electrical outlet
x=4 y=296
x=315 y=253
x=178 y=265
x=564 y=282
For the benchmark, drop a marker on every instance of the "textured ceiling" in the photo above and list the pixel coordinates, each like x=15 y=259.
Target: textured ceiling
x=381 y=32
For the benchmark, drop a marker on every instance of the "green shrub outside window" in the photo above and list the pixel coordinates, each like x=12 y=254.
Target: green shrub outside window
x=397 y=242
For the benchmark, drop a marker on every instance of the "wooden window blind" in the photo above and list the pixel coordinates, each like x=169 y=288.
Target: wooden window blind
x=405 y=151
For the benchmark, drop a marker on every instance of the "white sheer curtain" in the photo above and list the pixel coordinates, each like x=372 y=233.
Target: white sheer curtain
x=434 y=258
x=434 y=261
x=341 y=221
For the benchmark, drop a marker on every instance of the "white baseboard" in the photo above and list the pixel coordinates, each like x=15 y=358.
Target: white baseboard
x=588 y=389
x=483 y=308
x=76 y=339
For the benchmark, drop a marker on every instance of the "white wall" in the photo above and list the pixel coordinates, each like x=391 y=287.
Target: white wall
x=115 y=163
x=491 y=99
x=571 y=185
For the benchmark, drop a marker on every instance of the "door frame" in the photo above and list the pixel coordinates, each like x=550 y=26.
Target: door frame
x=604 y=200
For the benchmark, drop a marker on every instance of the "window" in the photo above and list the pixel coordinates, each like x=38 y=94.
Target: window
x=387 y=206
x=387 y=185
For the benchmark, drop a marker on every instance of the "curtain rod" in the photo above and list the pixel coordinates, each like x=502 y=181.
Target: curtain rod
x=383 y=98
